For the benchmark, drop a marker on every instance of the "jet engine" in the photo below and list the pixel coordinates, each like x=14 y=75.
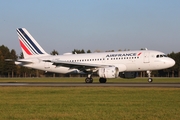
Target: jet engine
x=108 y=72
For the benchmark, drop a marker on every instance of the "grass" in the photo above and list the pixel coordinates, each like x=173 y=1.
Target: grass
x=96 y=80
x=89 y=103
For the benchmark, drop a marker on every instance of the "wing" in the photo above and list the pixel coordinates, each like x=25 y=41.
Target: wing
x=77 y=65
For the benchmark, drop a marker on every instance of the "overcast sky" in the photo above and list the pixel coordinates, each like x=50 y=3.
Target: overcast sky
x=65 y=25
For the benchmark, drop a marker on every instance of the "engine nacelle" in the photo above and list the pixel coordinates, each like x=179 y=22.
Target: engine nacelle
x=128 y=75
x=108 y=72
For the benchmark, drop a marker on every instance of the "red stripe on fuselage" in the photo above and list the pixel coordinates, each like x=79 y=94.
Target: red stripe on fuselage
x=25 y=48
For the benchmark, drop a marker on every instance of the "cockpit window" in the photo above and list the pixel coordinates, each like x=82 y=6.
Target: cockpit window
x=161 y=55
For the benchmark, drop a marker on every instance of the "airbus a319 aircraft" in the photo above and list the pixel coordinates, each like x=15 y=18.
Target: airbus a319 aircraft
x=123 y=64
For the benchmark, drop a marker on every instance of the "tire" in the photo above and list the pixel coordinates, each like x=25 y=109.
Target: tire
x=102 y=80
x=150 y=80
x=88 y=80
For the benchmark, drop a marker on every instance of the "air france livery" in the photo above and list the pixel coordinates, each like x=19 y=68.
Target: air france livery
x=123 y=64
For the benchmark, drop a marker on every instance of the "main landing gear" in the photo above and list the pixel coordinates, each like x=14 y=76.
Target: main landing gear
x=102 y=80
x=150 y=80
x=89 y=79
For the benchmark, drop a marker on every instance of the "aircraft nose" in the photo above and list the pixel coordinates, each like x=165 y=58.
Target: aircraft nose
x=171 y=62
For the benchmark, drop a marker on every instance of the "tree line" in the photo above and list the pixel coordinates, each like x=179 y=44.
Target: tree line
x=9 y=69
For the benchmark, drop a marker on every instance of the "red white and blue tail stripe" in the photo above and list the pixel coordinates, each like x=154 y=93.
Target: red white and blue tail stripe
x=29 y=45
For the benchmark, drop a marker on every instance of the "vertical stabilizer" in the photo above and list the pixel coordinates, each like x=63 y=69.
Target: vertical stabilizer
x=29 y=45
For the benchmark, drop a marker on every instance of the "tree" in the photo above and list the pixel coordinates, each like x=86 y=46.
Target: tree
x=1 y=63
x=176 y=67
x=4 y=54
x=82 y=51
x=88 y=51
x=110 y=51
x=54 y=52
x=76 y=51
x=12 y=67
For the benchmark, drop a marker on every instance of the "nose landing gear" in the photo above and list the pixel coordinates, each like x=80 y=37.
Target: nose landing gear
x=150 y=80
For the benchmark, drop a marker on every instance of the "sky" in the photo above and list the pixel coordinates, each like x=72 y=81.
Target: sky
x=65 y=25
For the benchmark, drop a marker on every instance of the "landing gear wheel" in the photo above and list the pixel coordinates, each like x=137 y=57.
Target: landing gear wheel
x=102 y=80
x=150 y=80
x=88 y=80
x=149 y=76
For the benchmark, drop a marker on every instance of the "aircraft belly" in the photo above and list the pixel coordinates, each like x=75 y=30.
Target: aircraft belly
x=63 y=70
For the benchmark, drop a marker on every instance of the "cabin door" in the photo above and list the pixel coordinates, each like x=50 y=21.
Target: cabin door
x=146 y=57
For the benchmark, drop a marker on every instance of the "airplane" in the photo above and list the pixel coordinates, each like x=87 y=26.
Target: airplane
x=123 y=64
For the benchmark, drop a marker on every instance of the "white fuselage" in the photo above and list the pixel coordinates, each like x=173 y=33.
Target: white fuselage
x=142 y=60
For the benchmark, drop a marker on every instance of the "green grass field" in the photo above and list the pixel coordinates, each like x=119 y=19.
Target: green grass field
x=96 y=80
x=89 y=103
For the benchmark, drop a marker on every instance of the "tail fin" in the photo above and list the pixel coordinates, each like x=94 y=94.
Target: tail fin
x=29 y=45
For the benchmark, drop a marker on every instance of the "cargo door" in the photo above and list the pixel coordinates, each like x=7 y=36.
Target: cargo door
x=46 y=65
